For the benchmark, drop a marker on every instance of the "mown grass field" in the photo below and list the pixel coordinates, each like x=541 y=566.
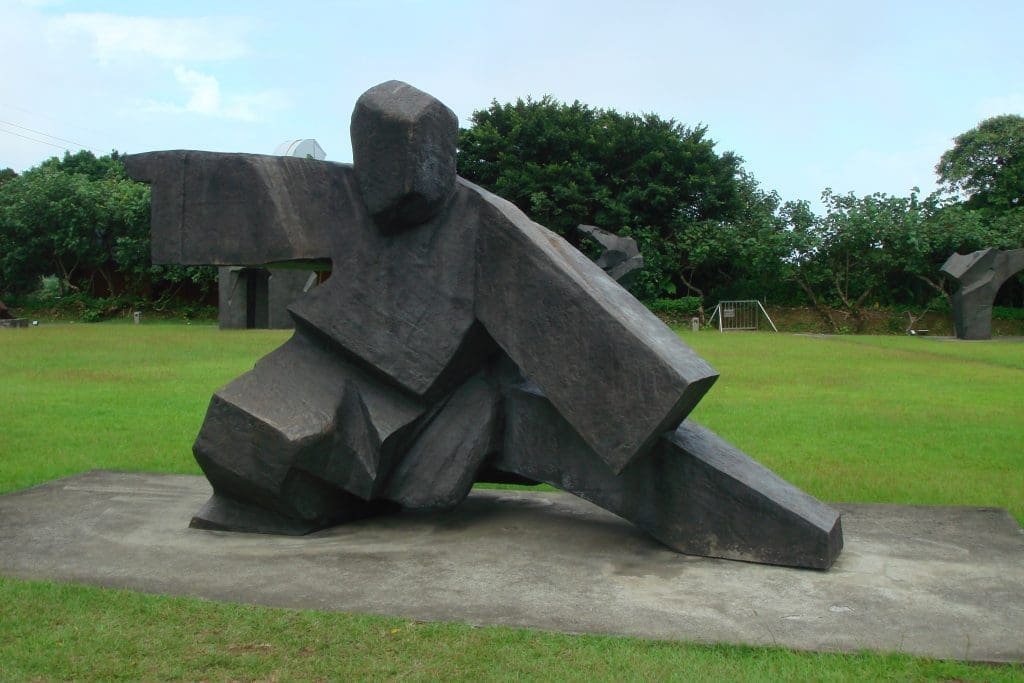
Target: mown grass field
x=873 y=419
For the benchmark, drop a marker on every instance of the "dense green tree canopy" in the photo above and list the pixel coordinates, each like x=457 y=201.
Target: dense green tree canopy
x=63 y=218
x=81 y=219
x=987 y=164
x=706 y=227
x=566 y=164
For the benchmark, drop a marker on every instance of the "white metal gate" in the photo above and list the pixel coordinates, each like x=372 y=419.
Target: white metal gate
x=739 y=315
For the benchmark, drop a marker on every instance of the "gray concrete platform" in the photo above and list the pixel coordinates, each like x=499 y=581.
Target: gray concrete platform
x=937 y=581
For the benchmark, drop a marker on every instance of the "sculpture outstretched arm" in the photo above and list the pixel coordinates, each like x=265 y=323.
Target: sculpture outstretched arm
x=211 y=208
x=615 y=372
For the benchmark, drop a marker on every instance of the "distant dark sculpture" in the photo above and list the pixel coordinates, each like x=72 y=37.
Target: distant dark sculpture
x=621 y=258
x=456 y=341
x=7 y=319
x=980 y=274
x=258 y=298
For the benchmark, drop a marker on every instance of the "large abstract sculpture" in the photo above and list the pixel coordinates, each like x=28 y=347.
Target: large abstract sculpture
x=455 y=341
x=980 y=274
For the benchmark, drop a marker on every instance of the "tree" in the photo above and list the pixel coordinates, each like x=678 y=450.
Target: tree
x=743 y=257
x=7 y=174
x=987 y=164
x=45 y=219
x=84 y=220
x=85 y=163
x=859 y=251
x=637 y=175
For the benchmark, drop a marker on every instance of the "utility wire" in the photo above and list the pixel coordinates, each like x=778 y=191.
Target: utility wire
x=11 y=132
x=40 y=115
x=39 y=132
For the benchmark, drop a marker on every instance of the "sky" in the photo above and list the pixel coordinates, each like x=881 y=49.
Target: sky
x=856 y=96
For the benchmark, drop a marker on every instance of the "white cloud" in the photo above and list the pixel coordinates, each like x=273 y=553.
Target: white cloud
x=183 y=40
x=128 y=46
x=205 y=91
x=206 y=99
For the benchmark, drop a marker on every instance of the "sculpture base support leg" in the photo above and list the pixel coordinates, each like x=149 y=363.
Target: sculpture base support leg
x=972 y=312
x=221 y=513
x=438 y=470
x=301 y=442
x=693 y=492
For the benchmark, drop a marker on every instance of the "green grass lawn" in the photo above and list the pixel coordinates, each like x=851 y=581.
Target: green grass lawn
x=880 y=419
x=875 y=419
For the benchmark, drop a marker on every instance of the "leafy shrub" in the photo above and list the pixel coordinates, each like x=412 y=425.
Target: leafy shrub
x=896 y=324
x=50 y=288
x=1007 y=313
x=92 y=315
x=677 y=311
x=197 y=311
x=683 y=306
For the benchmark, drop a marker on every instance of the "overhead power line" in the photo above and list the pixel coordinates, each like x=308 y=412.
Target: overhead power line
x=37 y=116
x=11 y=132
x=54 y=137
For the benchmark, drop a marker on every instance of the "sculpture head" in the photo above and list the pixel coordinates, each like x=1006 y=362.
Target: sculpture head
x=403 y=148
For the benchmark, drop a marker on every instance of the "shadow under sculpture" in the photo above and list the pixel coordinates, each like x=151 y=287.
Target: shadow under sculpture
x=980 y=274
x=456 y=341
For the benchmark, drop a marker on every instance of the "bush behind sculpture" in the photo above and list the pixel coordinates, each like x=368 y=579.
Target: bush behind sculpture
x=83 y=225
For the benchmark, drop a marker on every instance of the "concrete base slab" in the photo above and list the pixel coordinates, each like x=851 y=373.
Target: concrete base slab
x=936 y=581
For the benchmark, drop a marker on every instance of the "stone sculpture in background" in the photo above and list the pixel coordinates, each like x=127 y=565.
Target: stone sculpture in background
x=258 y=298
x=620 y=257
x=980 y=274
x=456 y=341
x=7 y=319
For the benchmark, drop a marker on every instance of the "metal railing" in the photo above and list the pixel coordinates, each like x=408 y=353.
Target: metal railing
x=739 y=315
